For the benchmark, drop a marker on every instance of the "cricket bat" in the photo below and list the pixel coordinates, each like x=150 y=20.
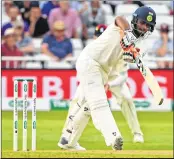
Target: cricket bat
x=150 y=80
x=147 y=74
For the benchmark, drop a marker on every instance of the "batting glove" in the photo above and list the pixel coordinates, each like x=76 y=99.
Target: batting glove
x=128 y=40
x=131 y=55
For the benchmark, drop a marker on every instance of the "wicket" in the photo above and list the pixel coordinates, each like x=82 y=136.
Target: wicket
x=15 y=113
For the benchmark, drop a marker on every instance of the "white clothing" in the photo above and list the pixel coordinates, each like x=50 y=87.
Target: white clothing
x=106 y=49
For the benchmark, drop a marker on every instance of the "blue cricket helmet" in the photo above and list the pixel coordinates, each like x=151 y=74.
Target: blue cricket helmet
x=147 y=15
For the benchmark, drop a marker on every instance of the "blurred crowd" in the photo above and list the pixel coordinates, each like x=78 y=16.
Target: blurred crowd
x=57 y=22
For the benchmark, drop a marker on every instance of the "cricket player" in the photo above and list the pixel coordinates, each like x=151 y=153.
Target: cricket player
x=99 y=63
x=119 y=90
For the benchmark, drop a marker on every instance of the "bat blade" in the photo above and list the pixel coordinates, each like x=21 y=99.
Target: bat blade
x=151 y=82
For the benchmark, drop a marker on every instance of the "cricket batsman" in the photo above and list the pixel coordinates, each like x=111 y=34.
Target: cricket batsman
x=99 y=64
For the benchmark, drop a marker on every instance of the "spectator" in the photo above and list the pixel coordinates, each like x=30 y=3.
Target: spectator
x=48 y=6
x=6 y=5
x=70 y=18
x=94 y=16
x=56 y=45
x=23 y=42
x=14 y=16
x=25 y=7
x=164 y=47
x=38 y=24
x=9 y=48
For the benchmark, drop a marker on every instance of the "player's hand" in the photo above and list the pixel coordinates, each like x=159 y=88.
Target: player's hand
x=131 y=55
x=128 y=40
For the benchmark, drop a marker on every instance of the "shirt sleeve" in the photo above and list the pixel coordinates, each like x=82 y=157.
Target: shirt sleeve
x=119 y=80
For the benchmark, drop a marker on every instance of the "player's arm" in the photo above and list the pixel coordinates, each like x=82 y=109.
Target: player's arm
x=127 y=37
x=121 y=22
x=119 y=80
x=46 y=51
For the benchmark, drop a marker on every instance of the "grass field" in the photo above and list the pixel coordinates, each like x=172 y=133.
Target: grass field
x=156 y=126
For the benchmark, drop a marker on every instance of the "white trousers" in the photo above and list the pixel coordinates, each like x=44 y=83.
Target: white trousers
x=92 y=79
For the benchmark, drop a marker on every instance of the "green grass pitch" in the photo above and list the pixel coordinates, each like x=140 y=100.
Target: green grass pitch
x=156 y=126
